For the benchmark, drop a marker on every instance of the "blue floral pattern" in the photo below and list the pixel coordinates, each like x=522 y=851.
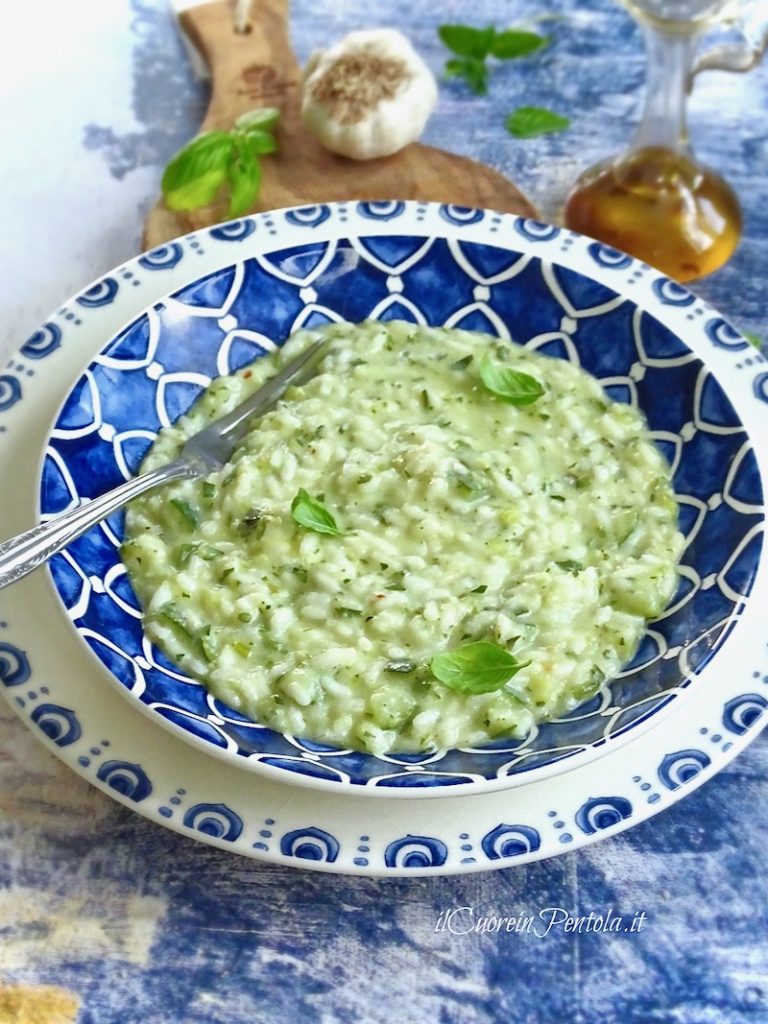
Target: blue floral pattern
x=43 y=342
x=100 y=294
x=59 y=724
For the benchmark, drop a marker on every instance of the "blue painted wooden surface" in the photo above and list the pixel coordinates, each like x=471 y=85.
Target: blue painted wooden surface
x=143 y=925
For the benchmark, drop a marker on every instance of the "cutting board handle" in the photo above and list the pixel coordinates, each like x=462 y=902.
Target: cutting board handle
x=256 y=68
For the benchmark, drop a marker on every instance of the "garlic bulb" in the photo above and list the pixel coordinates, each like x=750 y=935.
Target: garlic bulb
x=369 y=95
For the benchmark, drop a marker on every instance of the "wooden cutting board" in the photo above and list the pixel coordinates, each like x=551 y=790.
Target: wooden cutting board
x=258 y=69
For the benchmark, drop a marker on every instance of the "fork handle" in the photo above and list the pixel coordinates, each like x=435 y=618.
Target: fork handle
x=21 y=554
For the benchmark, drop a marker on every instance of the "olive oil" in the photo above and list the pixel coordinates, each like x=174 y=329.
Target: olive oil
x=658 y=205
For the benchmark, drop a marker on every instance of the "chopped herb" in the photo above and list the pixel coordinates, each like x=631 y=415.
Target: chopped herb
x=241 y=648
x=209 y=651
x=245 y=617
x=557 y=497
x=753 y=339
x=589 y=686
x=396 y=580
x=510 y=385
x=301 y=572
x=342 y=610
x=466 y=480
x=185 y=553
x=570 y=566
x=187 y=513
x=480 y=590
x=169 y=614
x=480 y=667
x=253 y=524
x=462 y=364
x=425 y=399
x=209 y=489
x=312 y=514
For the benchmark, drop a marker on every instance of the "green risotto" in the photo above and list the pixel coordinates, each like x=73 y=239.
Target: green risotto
x=439 y=540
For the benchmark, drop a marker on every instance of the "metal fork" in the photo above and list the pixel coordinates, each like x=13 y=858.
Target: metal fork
x=207 y=450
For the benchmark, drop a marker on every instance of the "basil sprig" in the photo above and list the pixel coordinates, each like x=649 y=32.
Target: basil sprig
x=510 y=385
x=196 y=174
x=312 y=514
x=473 y=46
x=480 y=667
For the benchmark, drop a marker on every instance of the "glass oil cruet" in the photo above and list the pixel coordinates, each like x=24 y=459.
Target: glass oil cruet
x=656 y=201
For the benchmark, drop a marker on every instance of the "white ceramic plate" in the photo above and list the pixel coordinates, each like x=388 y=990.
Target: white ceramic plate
x=65 y=698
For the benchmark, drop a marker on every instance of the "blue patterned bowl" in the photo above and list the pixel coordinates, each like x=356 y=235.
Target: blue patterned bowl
x=648 y=340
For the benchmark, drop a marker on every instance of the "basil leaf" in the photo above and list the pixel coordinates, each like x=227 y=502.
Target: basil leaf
x=203 y=157
x=312 y=514
x=263 y=119
x=517 y=43
x=465 y=41
x=474 y=72
x=480 y=667
x=260 y=143
x=510 y=385
x=244 y=176
x=196 y=193
x=526 y=122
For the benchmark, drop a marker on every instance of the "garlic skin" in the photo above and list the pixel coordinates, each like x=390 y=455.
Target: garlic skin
x=369 y=95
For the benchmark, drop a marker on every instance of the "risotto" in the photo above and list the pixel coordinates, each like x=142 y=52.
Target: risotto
x=439 y=540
